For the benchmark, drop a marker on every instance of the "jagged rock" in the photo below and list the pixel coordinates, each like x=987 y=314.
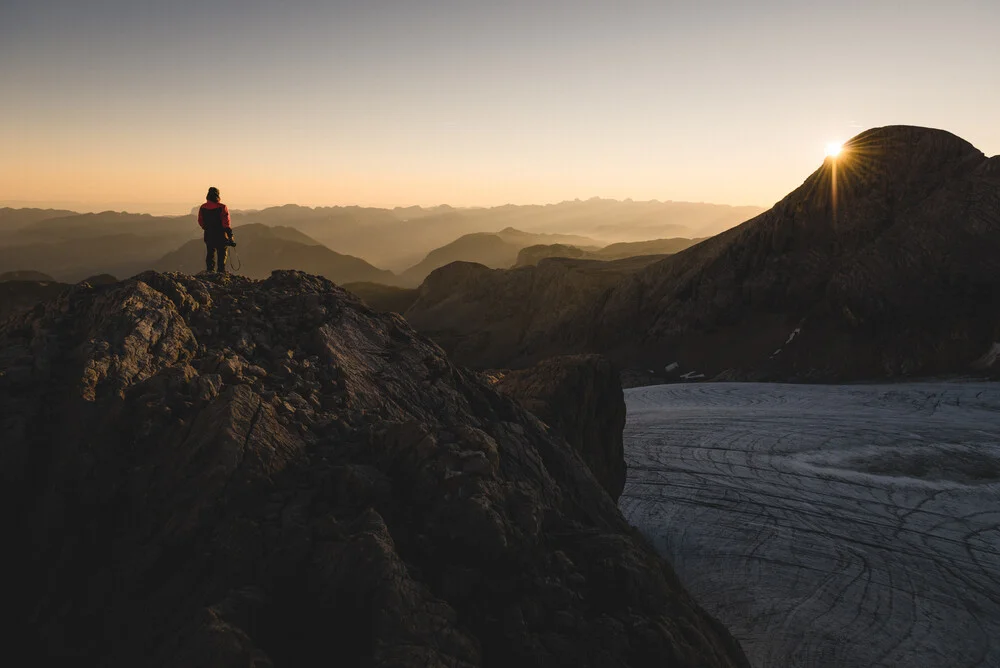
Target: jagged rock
x=215 y=471
x=581 y=398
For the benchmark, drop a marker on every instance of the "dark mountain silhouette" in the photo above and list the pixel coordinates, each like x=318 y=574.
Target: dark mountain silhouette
x=212 y=471
x=495 y=318
x=25 y=276
x=619 y=251
x=623 y=250
x=532 y=255
x=384 y=298
x=17 y=296
x=263 y=249
x=497 y=251
x=894 y=275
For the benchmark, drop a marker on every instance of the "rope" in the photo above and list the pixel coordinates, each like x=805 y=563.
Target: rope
x=230 y=260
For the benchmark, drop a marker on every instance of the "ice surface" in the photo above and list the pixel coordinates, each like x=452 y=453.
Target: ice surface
x=854 y=525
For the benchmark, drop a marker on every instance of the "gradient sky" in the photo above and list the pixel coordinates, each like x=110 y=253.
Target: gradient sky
x=142 y=105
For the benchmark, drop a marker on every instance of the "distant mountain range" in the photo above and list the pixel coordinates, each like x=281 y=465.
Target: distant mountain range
x=400 y=238
x=893 y=272
x=74 y=246
x=261 y=250
x=412 y=241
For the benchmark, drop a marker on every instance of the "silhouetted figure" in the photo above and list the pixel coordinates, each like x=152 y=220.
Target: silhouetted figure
x=213 y=217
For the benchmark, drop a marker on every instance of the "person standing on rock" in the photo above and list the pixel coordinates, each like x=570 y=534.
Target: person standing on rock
x=213 y=217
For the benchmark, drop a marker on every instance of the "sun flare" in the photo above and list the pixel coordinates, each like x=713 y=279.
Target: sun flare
x=834 y=148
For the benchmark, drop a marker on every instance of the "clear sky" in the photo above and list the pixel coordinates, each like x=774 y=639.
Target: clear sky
x=397 y=102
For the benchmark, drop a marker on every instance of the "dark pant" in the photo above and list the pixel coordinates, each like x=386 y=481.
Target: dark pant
x=216 y=250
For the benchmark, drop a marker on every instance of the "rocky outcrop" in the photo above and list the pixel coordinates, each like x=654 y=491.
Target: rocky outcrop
x=581 y=398
x=213 y=471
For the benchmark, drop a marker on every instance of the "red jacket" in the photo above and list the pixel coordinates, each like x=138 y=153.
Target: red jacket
x=212 y=207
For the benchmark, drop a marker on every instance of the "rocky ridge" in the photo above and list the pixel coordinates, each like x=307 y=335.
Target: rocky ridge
x=216 y=471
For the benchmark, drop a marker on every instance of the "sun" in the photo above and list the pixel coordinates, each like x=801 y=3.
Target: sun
x=834 y=148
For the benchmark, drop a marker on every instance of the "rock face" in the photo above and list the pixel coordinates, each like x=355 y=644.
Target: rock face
x=882 y=264
x=581 y=398
x=212 y=471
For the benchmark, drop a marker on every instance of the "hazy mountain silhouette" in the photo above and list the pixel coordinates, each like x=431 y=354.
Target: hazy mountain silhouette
x=895 y=275
x=69 y=245
x=400 y=238
x=106 y=223
x=497 y=250
x=262 y=249
x=15 y=219
x=72 y=247
x=73 y=260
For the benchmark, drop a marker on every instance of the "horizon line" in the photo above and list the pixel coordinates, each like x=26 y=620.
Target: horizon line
x=186 y=209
